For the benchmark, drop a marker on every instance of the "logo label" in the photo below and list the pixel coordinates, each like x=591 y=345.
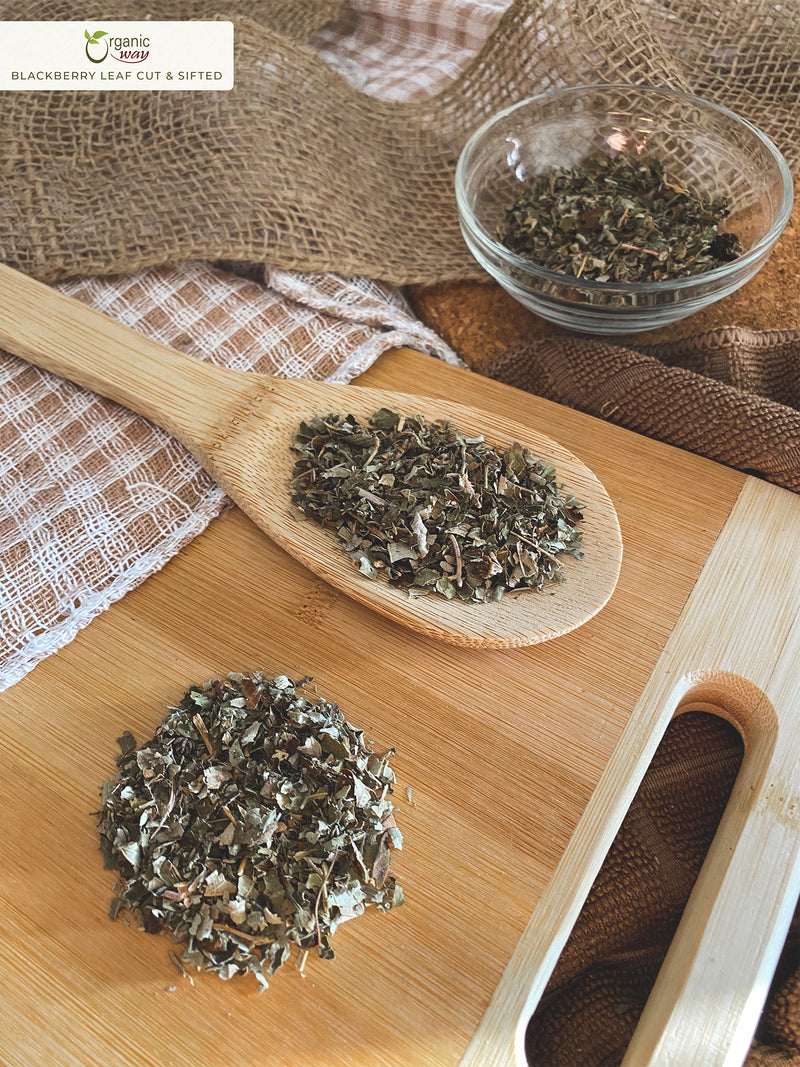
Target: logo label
x=116 y=55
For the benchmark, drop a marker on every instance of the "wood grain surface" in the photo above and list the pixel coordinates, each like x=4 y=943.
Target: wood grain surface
x=733 y=652
x=501 y=751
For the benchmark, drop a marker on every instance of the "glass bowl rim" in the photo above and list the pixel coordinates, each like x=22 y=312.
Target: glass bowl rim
x=517 y=263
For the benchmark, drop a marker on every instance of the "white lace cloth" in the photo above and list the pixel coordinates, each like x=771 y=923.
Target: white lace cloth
x=93 y=499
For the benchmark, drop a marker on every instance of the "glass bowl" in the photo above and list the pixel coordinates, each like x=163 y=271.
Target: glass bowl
x=701 y=145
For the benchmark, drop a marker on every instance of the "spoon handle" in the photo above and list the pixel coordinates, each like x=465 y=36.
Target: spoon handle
x=190 y=399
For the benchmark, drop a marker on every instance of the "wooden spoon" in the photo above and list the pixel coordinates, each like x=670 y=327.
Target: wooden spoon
x=240 y=427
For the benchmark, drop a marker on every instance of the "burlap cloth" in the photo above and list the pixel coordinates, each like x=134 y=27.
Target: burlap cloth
x=300 y=167
x=335 y=153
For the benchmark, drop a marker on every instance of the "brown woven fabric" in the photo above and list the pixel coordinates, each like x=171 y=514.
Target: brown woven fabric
x=296 y=167
x=725 y=395
x=765 y=362
x=600 y=985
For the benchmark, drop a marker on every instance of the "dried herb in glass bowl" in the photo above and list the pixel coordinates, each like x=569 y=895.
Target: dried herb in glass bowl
x=620 y=219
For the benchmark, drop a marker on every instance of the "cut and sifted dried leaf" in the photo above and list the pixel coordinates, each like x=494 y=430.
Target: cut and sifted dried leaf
x=433 y=511
x=251 y=825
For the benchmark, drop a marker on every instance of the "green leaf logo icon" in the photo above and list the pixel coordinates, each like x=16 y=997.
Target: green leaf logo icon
x=93 y=39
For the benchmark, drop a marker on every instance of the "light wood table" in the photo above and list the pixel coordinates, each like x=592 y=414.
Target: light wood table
x=501 y=752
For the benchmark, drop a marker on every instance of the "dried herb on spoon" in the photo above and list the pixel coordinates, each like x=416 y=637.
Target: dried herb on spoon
x=251 y=825
x=433 y=510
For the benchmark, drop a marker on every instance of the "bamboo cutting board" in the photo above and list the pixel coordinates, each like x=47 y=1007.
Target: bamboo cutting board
x=501 y=752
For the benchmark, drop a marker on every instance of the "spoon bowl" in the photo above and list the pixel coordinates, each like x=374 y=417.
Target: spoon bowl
x=241 y=426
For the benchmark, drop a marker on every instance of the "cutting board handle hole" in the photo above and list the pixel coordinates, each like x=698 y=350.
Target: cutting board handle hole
x=602 y=980
x=737 y=700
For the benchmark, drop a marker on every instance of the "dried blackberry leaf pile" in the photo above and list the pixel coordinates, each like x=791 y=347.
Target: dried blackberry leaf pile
x=432 y=510
x=251 y=825
x=618 y=219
